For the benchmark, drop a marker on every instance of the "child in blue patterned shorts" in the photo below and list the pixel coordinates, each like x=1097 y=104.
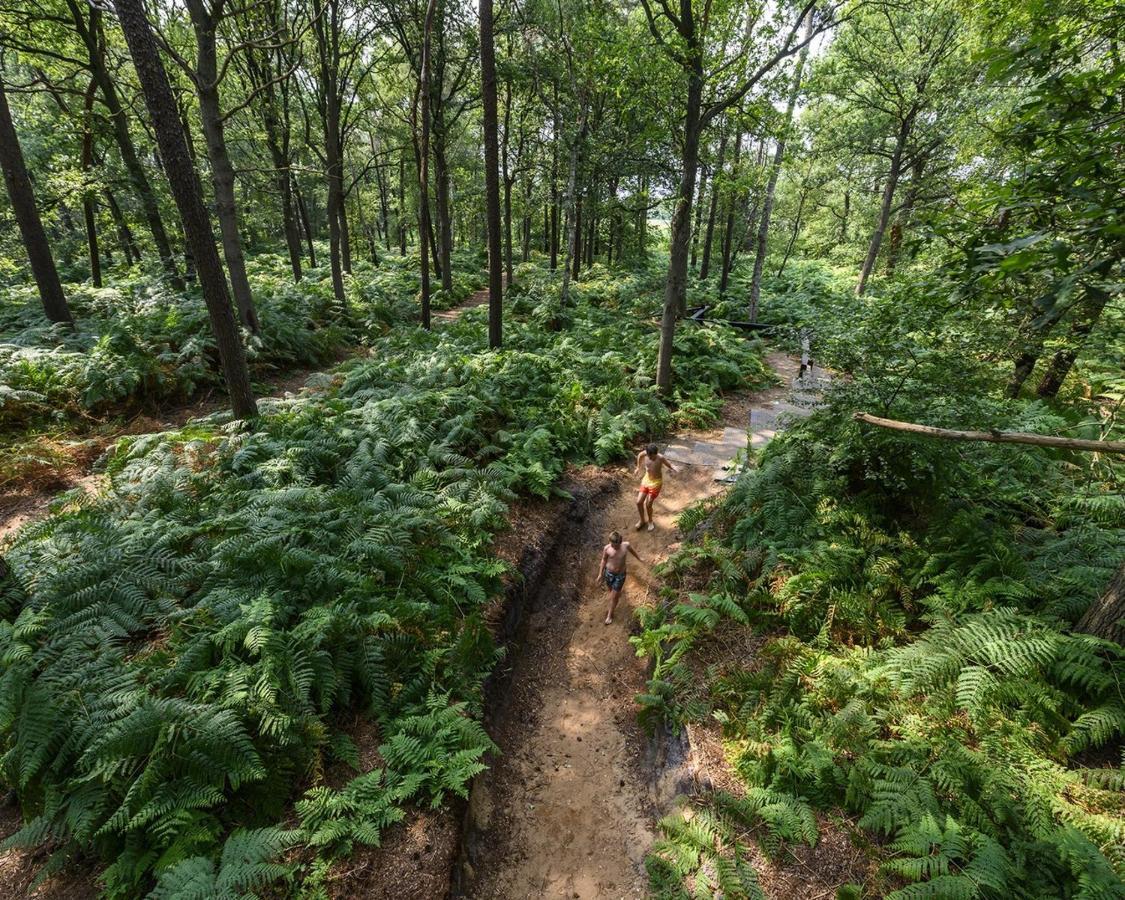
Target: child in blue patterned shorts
x=612 y=569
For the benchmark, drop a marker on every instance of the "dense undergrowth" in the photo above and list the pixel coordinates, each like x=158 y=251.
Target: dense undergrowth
x=917 y=663
x=137 y=342
x=182 y=654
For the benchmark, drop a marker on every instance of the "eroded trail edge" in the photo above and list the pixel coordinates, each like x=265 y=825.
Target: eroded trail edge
x=568 y=809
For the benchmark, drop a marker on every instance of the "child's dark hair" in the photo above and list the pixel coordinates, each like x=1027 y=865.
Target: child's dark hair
x=652 y=449
x=615 y=537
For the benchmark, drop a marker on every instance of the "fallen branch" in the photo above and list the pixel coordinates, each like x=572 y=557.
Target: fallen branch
x=994 y=436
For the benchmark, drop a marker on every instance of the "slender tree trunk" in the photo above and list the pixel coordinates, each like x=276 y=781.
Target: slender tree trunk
x=125 y=239
x=491 y=178
x=675 y=292
x=384 y=207
x=400 y=215
x=90 y=30
x=345 y=235
x=89 y=207
x=771 y=185
x=554 y=236
x=441 y=199
x=574 y=252
x=26 y=213
x=699 y=194
x=572 y=206
x=642 y=220
x=732 y=208
x=189 y=200
x=1080 y=327
x=705 y=262
x=222 y=171
x=306 y=225
x=289 y=222
x=424 y=164
x=888 y=202
x=902 y=222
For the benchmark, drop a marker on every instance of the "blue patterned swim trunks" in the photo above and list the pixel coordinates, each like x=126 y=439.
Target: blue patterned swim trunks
x=615 y=580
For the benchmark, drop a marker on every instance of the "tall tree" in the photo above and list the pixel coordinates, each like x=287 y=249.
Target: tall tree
x=771 y=184
x=207 y=76
x=26 y=212
x=188 y=194
x=683 y=35
x=492 y=175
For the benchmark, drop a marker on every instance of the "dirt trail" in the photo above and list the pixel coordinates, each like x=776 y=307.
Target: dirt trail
x=565 y=811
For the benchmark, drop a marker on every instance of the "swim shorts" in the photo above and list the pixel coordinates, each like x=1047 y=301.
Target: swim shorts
x=614 y=580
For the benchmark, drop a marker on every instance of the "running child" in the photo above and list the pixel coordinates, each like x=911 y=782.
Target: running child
x=653 y=462
x=612 y=570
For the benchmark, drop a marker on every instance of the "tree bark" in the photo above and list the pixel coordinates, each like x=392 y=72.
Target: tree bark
x=187 y=193
x=125 y=239
x=442 y=205
x=401 y=212
x=708 y=239
x=206 y=78
x=26 y=213
x=89 y=208
x=699 y=195
x=92 y=36
x=491 y=179
x=888 y=201
x=306 y=225
x=675 y=291
x=326 y=28
x=732 y=208
x=771 y=185
x=572 y=204
x=1080 y=327
x=1106 y=616
x=995 y=437
x=424 y=164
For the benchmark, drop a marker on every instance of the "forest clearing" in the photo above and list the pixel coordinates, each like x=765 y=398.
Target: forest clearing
x=332 y=338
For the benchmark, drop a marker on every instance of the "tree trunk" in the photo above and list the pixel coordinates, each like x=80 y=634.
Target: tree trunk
x=902 y=222
x=187 y=193
x=574 y=253
x=441 y=199
x=306 y=225
x=732 y=208
x=491 y=179
x=89 y=208
x=771 y=185
x=125 y=239
x=27 y=218
x=345 y=233
x=424 y=165
x=92 y=36
x=554 y=236
x=384 y=207
x=888 y=202
x=1080 y=327
x=1106 y=616
x=572 y=204
x=289 y=222
x=705 y=262
x=400 y=215
x=699 y=194
x=222 y=172
x=675 y=292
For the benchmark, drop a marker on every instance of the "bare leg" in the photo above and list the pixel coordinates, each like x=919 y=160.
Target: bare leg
x=648 y=510
x=614 y=596
x=641 y=511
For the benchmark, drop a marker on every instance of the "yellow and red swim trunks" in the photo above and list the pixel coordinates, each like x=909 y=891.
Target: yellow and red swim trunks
x=650 y=486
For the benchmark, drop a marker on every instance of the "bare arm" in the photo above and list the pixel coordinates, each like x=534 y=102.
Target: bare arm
x=634 y=552
x=640 y=456
x=668 y=463
x=601 y=568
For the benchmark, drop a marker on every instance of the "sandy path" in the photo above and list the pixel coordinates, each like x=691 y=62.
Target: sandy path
x=565 y=811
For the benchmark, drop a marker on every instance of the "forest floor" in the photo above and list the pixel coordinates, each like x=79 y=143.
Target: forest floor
x=568 y=809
